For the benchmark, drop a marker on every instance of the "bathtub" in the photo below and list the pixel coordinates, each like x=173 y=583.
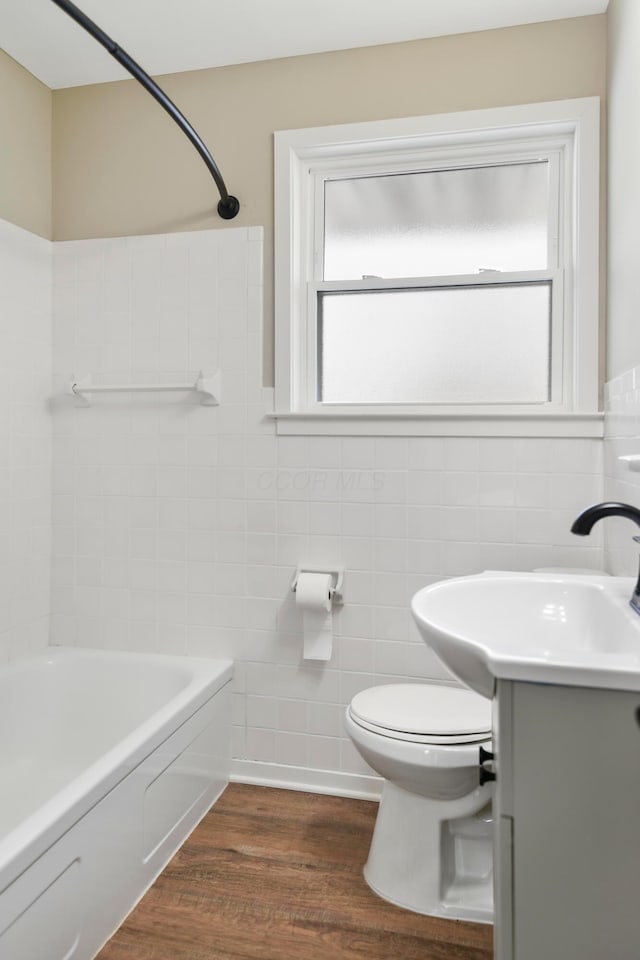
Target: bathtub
x=107 y=763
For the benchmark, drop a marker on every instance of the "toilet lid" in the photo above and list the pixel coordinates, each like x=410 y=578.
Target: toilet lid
x=425 y=710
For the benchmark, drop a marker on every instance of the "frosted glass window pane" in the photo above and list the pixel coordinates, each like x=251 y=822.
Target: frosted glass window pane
x=484 y=344
x=438 y=222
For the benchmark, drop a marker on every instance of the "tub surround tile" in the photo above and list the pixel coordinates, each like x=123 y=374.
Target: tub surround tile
x=175 y=520
x=25 y=443
x=622 y=438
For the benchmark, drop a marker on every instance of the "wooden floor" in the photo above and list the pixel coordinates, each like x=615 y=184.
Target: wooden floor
x=277 y=875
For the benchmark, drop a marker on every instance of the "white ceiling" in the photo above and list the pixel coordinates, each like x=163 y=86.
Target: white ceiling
x=167 y=36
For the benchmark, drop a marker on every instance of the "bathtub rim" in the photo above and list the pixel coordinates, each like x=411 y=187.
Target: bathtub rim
x=23 y=845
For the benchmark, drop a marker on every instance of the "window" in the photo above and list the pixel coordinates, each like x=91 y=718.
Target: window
x=438 y=270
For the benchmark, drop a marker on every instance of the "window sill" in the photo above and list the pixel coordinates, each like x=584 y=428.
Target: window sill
x=439 y=425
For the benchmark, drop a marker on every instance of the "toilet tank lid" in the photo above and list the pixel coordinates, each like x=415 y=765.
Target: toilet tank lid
x=425 y=708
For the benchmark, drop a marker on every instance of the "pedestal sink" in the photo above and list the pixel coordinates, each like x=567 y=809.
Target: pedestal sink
x=544 y=628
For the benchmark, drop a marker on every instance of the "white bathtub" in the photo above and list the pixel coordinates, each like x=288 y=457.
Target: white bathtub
x=107 y=762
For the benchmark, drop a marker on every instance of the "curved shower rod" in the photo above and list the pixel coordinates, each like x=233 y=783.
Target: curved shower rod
x=228 y=205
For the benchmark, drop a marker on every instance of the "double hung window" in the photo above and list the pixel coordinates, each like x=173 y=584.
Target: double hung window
x=439 y=267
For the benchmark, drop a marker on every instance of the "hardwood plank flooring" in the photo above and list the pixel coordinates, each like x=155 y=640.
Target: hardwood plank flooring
x=277 y=875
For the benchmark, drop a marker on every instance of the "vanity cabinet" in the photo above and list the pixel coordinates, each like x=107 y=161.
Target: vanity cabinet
x=567 y=822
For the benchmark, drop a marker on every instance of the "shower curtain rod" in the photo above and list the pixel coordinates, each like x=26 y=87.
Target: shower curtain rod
x=228 y=205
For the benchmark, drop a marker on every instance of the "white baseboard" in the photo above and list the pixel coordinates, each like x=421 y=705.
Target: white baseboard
x=360 y=787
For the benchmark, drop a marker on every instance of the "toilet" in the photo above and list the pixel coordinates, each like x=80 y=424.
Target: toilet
x=431 y=850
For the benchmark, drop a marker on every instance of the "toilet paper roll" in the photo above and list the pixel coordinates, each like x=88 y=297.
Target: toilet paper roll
x=313 y=598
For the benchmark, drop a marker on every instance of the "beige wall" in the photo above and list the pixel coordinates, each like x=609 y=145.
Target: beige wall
x=122 y=167
x=623 y=309
x=25 y=156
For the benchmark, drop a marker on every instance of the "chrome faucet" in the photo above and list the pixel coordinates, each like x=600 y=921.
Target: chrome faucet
x=583 y=524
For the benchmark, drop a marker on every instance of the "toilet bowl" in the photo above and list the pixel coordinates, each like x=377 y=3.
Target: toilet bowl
x=431 y=849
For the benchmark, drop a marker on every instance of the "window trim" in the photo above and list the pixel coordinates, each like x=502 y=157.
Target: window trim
x=302 y=157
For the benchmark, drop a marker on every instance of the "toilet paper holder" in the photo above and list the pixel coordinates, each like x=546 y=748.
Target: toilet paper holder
x=337 y=574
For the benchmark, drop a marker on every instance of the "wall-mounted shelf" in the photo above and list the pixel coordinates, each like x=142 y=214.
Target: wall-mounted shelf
x=207 y=386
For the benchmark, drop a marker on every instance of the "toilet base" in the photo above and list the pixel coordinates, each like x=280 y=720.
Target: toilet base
x=433 y=857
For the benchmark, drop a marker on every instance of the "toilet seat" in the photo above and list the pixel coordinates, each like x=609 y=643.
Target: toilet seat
x=423 y=713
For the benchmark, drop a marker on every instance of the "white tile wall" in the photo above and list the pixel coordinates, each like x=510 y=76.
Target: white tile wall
x=622 y=438
x=25 y=441
x=179 y=527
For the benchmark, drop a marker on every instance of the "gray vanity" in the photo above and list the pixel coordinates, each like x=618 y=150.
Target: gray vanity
x=567 y=823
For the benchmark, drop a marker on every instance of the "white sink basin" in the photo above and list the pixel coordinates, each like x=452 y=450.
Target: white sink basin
x=543 y=628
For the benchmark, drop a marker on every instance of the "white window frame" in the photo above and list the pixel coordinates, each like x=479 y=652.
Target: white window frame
x=565 y=132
